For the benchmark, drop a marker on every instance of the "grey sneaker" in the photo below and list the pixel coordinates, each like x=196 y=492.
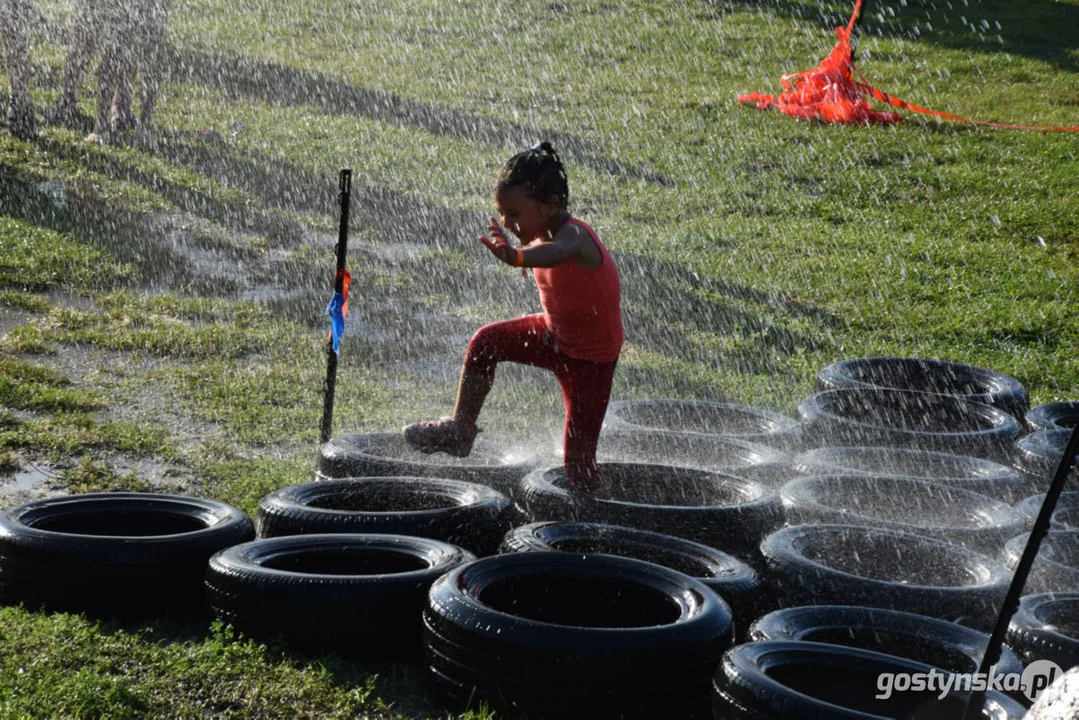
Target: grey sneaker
x=443 y=435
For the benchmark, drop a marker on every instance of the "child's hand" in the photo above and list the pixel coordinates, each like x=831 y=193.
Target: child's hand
x=497 y=233
x=499 y=245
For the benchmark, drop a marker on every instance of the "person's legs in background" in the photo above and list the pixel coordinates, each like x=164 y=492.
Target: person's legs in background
x=85 y=33
x=150 y=58
x=15 y=18
x=115 y=71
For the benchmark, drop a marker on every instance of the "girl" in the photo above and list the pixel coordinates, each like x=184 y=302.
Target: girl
x=578 y=336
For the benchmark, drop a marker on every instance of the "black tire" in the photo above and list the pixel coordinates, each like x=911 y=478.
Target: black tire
x=961 y=471
x=873 y=567
x=563 y=635
x=1038 y=456
x=114 y=554
x=734 y=581
x=660 y=447
x=1053 y=416
x=722 y=511
x=471 y=515
x=354 y=594
x=1065 y=515
x=929 y=640
x=960 y=380
x=708 y=418
x=1046 y=627
x=908 y=419
x=1055 y=569
x=790 y=680
x=913 y=506
x=770 y=475
x=387 y=454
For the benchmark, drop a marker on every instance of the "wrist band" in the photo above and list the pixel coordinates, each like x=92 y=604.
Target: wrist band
x=519 y=258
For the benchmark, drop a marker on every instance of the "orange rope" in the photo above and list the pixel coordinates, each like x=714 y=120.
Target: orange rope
x=830 y=93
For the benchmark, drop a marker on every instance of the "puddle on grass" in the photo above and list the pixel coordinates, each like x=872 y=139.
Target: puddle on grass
x=30 y=479
x=24 y=485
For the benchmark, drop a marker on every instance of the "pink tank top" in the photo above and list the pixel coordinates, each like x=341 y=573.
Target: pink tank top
x=583 y=307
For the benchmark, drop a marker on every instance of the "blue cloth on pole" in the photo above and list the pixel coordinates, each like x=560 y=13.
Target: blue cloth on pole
x=336 y=311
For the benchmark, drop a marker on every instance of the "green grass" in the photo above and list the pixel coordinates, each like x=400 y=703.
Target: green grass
x=85 y=669
x=29 y=386
x=33 y=258
x=170 y=308
x=91 y=476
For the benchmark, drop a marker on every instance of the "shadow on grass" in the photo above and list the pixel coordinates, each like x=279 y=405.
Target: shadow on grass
x=141 y=239
x=672 y=312
x=93 y=222
x=669 y=311
x=397 y=683
x=389 y=215
x=1045 y=30
x=280 y=85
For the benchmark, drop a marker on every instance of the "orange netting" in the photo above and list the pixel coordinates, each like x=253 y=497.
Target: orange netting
x=830 y=93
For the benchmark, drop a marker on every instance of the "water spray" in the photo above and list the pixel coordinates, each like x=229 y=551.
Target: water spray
x=337 y=309
x=1022 y=570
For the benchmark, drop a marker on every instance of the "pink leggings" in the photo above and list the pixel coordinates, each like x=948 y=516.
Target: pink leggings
x=586 y=385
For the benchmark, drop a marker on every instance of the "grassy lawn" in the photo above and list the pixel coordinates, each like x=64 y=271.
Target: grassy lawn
x=161 y=298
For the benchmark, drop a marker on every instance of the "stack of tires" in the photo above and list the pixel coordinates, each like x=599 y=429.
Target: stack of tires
x=558 y=634
x=126 y=555
x=1038 y=453
x=897 y=502
x=346 y=563
x=356 y=594
x=724 y=511
x=739 y=563
x=921 y=404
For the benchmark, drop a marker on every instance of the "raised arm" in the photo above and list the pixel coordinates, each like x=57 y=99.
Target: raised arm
x=572 y=243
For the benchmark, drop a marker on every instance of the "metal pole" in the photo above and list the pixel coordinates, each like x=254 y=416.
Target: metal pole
x=1022 y=570
x=330 y=384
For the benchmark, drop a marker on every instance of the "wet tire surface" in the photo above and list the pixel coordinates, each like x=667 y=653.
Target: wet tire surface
x=563 y=635
x=1038 y=456
x=1065 y=515
x=1053 y=416
x=660 y=447
x=734 y=581
x=728 y=513
x=917 y=637
x=994 y=479
x=383 y=454
x=795 y=680
x=908 y=419
x=914 y=506
x=703 y=417
x=852 y=565
x=1046 y=627
x=356 y=594
x=967 y=382
x=124 y=554
x=467 y=514
x=1056 y=568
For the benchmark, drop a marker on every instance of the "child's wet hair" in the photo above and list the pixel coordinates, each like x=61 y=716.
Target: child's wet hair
x=539 y=170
